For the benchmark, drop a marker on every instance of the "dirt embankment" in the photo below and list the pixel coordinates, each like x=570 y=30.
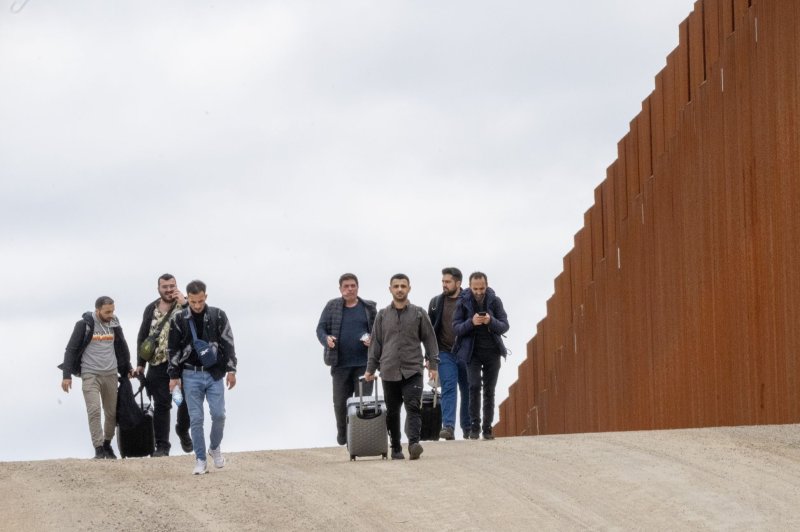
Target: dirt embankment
x=732 y=478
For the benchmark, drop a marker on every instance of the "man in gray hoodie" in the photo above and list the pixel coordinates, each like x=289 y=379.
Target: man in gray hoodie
x=97 y=352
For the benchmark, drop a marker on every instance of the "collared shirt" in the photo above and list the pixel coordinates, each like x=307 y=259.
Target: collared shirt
x=396 y=338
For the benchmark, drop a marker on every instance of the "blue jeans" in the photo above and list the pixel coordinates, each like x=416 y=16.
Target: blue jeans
x=454 y=377
x=199 y=385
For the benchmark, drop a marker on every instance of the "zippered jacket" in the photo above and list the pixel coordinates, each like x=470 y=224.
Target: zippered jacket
x=216 y=331
x=330 y=324
x=465 y=329
x=81 y=336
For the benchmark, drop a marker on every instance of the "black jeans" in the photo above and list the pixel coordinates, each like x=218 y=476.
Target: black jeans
x=345 y=385
x=158 y=387
x=483 y=370
x=406 y=392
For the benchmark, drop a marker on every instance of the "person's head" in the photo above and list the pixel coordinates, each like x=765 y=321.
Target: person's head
x=399 y=286
x=478 y=283
x=451 y=281
x=167 y=287
x=104 y=308
x=196 y=292
x=348 y=287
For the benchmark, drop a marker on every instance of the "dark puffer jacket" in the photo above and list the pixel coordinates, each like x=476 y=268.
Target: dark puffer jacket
x=330 y=323
x=465 y=329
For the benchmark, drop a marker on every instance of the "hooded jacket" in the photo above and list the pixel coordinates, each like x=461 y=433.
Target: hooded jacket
x=81 y=336
x=465 y=329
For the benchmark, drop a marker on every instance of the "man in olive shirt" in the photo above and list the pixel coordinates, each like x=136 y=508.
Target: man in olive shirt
x=395 y=350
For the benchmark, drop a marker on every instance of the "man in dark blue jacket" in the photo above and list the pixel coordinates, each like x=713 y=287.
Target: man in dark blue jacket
x=479 y=321
x=97 y=352
x=344 y=329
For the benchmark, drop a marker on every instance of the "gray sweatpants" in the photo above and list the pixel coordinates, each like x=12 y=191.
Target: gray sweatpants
x=97 y=389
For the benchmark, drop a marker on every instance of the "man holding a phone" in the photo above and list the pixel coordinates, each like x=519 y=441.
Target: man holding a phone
x=479 y=320
x=344 y=329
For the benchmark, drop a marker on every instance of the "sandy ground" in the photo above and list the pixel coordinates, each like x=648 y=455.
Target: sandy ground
x=741 y=478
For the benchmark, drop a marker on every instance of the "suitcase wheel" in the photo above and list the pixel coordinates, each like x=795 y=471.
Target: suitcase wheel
x=384 y=456
x=352 y=458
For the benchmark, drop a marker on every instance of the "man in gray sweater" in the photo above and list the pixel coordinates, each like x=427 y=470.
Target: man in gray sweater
x=395 y=351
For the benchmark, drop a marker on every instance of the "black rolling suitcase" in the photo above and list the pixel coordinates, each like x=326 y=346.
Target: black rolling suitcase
x=431 y=415
x=366 y=424
x=135 y=435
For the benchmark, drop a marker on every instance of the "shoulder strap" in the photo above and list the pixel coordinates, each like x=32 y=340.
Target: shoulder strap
x=192 y=327
x=164 y=320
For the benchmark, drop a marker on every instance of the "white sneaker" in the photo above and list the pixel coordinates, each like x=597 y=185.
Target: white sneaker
x=216 y=454
x=200 y=468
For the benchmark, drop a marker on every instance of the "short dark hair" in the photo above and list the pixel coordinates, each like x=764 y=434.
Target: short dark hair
x=165 y=277
x=102 y=301
x=196 y=287
x=346 y=277
x=478 y=275
x=454 y=272
x=399 y=276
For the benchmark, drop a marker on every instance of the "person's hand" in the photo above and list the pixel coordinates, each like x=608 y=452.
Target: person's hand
x=331 y=342
x=180 y=298
x=132 y=373
x=369 y=377
x=66 y=384
x=477 y=319
x=138 y=371
x=230 y=379
x=433 y=374
x=173 y=383
x=366 y=341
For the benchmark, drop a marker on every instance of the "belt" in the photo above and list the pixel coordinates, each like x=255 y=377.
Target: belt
x=194 y=368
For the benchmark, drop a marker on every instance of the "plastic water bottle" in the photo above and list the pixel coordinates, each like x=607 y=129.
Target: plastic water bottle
x=177 y=396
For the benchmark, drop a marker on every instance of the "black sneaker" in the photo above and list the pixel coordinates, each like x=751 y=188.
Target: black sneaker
x=109 y=452
x=99 y=453
x=186 y=440
x=488 y=436
x=447 y=433
x=397 y=454
x=160 y=452
x=414 y=451
x=474 y=435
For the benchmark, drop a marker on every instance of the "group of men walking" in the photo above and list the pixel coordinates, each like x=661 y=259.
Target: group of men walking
x=462 y=336
x=167 y=351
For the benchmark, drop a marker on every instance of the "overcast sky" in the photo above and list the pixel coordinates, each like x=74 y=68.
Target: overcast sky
x=267 y=147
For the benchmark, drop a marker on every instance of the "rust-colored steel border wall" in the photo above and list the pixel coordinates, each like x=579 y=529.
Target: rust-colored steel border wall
x=677 y=304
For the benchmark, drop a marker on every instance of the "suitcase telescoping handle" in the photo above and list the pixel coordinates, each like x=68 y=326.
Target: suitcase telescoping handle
x=361 y=393
x=434 y=383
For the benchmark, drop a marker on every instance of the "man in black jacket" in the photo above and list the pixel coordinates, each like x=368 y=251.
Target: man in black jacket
x=452 y=369
x=97 y=352
x=344 y=331
x=156 y=323
x=479 y=322
x=198 y=332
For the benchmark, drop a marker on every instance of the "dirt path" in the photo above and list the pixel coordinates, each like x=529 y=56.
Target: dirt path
x=732 y=478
